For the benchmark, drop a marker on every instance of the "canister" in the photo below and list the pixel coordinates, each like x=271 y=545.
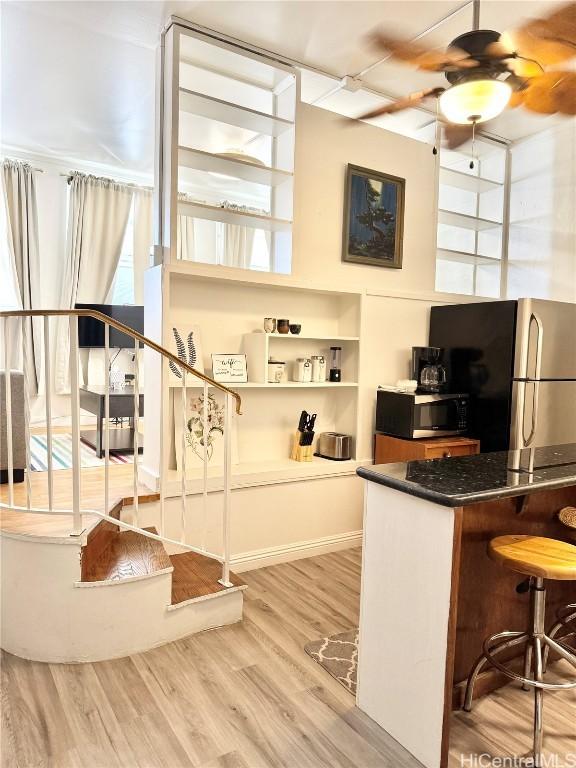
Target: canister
x=303 y=370
x=276 y=371
x=318 y=368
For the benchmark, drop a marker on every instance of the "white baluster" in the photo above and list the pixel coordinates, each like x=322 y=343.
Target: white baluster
x=48 y=409
x=205 y=468
x=107 y=418
x=136 y=423
x=75 y=407
x=183 y=461
x=8 y=385
x=161 y=449
x=228 y=413
x=25 y=322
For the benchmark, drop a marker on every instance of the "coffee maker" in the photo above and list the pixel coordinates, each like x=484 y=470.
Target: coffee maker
x=427 y=369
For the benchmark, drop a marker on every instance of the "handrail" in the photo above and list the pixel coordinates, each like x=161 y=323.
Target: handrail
x=130 y=332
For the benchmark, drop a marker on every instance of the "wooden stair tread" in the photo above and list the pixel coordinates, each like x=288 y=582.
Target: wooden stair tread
x=126 y=555
x=196 y=576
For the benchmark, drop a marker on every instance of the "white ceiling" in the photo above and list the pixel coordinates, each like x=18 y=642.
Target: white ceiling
x=78 y=77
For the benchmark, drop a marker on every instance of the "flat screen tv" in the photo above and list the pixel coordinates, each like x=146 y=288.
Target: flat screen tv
x=91 y=331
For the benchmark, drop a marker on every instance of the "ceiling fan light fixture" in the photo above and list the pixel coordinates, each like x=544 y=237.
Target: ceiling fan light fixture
x=475 y=101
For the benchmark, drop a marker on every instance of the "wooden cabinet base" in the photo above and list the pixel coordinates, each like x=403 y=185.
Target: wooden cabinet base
x=388 y=450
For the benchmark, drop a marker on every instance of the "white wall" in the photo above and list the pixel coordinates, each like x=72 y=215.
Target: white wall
x=325 y=144
x=542 y=246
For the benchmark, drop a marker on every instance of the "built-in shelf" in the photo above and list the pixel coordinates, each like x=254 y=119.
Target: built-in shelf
x=466 y=181
x=232 y=216
x=246 y=170
x=226 y=112
x=248 y=277
x=462 y=256
x=268 y=385
x=453 y=219
x=249 y=474
x=296 y=336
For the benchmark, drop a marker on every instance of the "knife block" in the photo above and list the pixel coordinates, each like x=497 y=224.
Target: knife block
x=300 y=452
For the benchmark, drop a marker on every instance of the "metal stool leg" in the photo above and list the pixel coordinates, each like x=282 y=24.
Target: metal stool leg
x=539 y=614
x=515 y=639
x=563 y=623
x=527 y=664
x=538 y=704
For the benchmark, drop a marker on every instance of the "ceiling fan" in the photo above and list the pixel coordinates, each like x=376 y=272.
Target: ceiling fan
x=488 y=71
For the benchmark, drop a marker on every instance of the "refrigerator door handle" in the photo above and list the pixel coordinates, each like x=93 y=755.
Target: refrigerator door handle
x=536 y=391
x=534 y=424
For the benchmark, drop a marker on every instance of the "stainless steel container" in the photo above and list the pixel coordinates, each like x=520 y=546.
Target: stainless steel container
x=334 y=445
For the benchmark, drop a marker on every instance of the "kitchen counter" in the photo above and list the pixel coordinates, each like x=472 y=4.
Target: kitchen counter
x=430 y=594
x=470 y=479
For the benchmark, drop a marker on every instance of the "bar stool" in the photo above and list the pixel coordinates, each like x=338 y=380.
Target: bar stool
x=566 y=616
x=540 y=559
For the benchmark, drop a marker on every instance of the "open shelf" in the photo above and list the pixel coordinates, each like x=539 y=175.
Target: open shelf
x=232 y=216
x=466 y=181
x=282 y=385
x=453 y=219
x=231 y=166
x=296 y=336
x=249 y=474
x=462 y=256
x=226 y=112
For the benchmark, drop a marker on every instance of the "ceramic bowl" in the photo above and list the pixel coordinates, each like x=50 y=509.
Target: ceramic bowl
x=295 y=328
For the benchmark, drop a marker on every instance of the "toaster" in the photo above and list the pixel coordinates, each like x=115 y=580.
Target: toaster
x=334 y=445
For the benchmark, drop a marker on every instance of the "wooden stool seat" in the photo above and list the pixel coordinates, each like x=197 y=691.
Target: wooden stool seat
x=535 y=556
x=567 y=517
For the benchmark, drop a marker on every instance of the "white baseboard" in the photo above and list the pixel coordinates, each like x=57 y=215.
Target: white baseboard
x=260 y=558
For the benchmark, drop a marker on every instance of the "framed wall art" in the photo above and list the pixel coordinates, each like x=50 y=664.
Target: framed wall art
x=373 y=218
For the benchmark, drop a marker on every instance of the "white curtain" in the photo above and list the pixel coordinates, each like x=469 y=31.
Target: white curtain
x=185 y=241
x=143 y=239
x=19 y=188
x=97 y=217
x=237 y=247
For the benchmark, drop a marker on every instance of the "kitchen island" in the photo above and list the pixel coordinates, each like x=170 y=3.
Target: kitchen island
x=430 y=594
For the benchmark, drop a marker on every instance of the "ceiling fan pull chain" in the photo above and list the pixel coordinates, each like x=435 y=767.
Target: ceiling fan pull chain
x=473 y=145
x=435 y=147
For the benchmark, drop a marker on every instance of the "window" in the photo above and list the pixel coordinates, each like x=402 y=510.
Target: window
x=9 y=298
x=122 y=290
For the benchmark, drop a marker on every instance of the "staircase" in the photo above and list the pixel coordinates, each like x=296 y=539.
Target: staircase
x=79 y=582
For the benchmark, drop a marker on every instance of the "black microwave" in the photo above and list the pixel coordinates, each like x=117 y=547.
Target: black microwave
x=412 y=415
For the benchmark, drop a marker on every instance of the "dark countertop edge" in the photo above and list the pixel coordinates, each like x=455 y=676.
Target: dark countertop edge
x=464 y=499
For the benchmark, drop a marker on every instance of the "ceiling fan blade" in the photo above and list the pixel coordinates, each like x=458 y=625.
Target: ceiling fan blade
x=456 y=135
x=549 y=40
x=552 y=92
x=429 y=59
x=400 y=104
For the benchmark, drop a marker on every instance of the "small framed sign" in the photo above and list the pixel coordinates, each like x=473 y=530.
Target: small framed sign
x=229 y=369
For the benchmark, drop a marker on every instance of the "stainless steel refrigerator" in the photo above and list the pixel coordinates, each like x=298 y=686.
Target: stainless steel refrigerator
x=517 y=360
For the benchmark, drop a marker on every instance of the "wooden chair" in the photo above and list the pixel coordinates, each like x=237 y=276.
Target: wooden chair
x=539 y=559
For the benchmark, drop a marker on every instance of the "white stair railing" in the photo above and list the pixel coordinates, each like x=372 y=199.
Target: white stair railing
x=16 y=326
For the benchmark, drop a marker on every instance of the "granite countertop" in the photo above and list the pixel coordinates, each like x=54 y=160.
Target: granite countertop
x=463 y=480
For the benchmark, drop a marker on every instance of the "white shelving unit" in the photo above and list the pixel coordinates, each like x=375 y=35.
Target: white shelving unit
x=471 y=220
x=260 y=347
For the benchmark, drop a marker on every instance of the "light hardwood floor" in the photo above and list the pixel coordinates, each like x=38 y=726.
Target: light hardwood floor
x=244 y=696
